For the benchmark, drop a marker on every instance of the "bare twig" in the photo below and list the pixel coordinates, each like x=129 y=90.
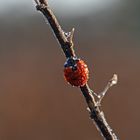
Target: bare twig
x=66 y=42
x=112 y=81
x=66 y=45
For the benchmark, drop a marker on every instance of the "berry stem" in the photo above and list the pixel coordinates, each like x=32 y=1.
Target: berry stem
x=66 y=44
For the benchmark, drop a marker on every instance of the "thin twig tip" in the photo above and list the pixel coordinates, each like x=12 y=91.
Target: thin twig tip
x=36 y=1
x=39 y=2
x=114 y=79
x=44 y=2
x=73 y=29
x=71 y=34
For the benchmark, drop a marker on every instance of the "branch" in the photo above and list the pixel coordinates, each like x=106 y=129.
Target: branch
x=66 y=42
x=66 y=45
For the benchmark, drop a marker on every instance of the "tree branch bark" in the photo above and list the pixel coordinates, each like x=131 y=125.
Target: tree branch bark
x=66 y=44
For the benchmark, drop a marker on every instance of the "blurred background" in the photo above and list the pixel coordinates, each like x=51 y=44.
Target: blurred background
x=35 y=101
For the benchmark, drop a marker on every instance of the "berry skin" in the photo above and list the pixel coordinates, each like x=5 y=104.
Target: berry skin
x=76 y=72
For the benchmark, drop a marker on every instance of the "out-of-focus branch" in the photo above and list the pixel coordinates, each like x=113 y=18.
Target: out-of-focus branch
x=66 y=42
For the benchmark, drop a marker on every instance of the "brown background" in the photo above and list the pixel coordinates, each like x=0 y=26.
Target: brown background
x=35 y=101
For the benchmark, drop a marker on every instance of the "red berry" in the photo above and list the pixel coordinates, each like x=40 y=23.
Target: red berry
x=76 y=73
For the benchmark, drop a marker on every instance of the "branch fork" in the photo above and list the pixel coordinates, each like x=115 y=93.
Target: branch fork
x=100 y=96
